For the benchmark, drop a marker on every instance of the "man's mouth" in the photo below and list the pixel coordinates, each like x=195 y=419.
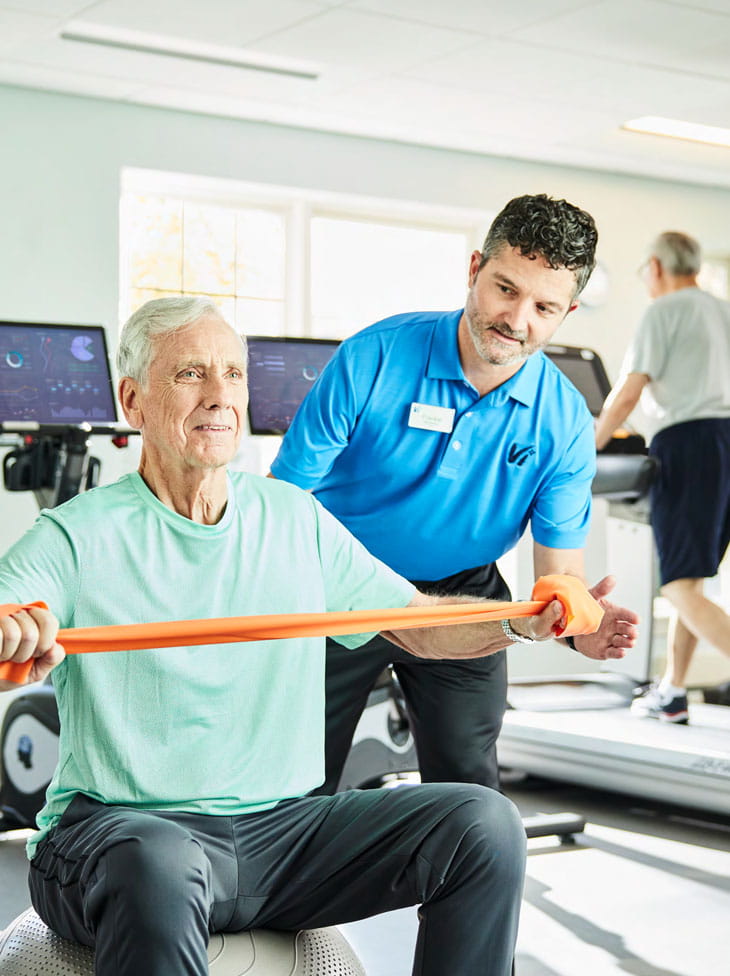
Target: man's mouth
x=508 y=335
x=216 y=428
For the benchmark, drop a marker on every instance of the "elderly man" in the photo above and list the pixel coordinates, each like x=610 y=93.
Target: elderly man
x=681 y=357
x=179 y=806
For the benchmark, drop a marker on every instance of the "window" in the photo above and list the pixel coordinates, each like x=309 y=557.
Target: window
x=362 y=271
x=281 y=261
x=234 y=255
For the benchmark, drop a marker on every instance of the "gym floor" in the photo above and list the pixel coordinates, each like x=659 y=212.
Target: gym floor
x=644 y=890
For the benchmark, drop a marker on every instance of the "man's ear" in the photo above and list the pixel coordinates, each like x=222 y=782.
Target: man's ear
x=130 y=401
x=474 y=262
x=573 y=306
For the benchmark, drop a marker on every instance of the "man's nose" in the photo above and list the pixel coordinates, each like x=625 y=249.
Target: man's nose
x=216 y=393
x=517 y=315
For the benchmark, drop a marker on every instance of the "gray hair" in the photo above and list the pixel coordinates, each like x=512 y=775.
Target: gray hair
x=155 y=318
x=678 y=253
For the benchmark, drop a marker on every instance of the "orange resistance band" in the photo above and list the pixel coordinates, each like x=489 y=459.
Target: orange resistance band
x=583 y=616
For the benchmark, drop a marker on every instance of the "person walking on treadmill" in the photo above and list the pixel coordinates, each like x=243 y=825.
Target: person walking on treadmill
x=680 y=358
x=436 y=437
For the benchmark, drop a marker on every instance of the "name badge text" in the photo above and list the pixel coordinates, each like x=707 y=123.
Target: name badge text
x=425 y=416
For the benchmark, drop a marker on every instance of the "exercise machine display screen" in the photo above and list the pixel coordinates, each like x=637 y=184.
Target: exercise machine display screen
x=584 y=369
x=281 y=371
x=55 y=374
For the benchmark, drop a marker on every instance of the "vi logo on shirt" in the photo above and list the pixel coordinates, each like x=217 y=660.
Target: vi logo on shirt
x=518 y=455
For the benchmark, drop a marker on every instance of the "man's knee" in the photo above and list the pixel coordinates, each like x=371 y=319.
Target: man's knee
x=158 y=864
x=488 y=819
x=481 y=833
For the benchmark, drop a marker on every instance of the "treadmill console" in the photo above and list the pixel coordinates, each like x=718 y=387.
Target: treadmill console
x=623 y=471
x=584 y=369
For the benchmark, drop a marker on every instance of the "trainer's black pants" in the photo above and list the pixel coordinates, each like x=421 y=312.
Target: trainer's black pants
x=145 y=889
x=455 y=708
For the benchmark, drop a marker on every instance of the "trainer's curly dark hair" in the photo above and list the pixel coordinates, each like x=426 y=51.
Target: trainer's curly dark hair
x=562 y=234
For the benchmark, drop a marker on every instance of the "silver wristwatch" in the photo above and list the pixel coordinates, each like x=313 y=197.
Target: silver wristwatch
x=514 y=636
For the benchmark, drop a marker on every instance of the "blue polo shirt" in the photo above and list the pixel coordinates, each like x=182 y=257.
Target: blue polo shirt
x=433 y=502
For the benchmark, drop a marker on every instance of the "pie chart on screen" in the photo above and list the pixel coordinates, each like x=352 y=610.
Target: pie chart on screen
x=81 y=348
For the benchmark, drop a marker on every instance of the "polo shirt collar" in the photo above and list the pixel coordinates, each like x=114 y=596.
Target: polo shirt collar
x=444 y=363
x=443 y=359
x=523 y=385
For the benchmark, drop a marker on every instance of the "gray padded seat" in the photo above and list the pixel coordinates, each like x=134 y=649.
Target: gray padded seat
x=29 y=948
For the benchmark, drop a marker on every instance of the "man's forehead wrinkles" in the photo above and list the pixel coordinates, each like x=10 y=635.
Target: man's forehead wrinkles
x=196 y=359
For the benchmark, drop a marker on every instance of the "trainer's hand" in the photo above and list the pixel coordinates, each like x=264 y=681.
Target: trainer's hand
x=30 y=634
x=618 y=630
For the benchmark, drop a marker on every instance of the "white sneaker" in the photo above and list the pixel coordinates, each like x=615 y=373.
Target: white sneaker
x=651 y=704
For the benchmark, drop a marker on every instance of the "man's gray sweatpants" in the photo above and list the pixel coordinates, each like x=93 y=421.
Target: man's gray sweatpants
x=145 y=888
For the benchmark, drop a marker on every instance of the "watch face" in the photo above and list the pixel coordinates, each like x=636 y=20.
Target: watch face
x=597 y=290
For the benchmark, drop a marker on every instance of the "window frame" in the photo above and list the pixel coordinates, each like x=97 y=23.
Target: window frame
x=298 y=206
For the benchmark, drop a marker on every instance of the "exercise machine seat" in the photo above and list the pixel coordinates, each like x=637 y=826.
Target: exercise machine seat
x=28 y=947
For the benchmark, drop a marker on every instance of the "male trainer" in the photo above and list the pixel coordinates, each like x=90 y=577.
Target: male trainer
x=436 y=438
x=681 y=356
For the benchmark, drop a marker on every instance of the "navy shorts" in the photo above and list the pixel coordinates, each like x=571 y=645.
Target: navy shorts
x=690 y=498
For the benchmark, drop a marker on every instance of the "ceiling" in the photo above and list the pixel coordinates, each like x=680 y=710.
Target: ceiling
x=550 y=81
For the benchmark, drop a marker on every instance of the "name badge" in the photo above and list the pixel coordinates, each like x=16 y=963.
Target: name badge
x=428 y=417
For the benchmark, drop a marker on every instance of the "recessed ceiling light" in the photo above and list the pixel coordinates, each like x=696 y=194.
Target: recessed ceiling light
x=677 y=129
x=177 y=47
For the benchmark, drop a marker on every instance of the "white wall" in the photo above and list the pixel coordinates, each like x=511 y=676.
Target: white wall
x=60 y=163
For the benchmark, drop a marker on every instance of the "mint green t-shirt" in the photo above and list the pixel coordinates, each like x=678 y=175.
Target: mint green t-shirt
x=215 y=729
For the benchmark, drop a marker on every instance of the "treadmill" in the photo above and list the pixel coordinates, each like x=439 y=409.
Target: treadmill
x=578 y=728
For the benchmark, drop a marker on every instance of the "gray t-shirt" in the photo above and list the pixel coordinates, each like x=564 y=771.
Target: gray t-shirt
x=683 y=345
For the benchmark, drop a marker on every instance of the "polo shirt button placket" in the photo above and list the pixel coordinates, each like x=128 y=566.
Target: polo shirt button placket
x=457 y=455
